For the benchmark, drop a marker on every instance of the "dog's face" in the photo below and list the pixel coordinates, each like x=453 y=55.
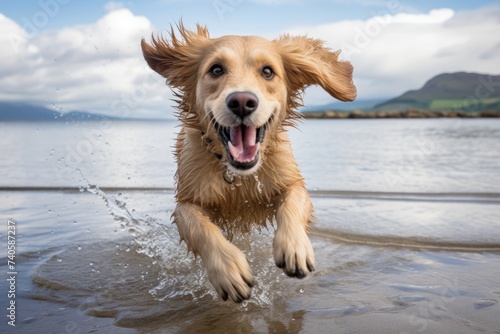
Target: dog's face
x=240 y=88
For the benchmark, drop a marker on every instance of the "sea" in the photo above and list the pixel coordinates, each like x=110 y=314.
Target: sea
x=406 y=233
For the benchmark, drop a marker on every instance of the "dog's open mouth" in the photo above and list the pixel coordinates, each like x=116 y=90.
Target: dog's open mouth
x=242 y=144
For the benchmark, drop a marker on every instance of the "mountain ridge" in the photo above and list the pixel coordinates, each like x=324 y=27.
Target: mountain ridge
x=450 y=91
x=18 y=111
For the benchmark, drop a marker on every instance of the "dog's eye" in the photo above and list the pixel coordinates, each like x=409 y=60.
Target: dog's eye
x=216 y=71
x=267 y=73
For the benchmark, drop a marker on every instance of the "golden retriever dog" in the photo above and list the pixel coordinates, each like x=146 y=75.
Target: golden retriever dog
x=235 y=168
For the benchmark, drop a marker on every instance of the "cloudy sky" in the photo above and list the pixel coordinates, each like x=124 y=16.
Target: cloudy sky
x=85 y=55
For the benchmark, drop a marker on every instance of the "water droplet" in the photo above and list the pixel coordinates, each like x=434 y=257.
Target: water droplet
x=59 y=260
x=127 y=249
x=260 y=186
x=75 y=222
x=229 y=177
x=91 y=263
x=79 y=247
x=301 y=290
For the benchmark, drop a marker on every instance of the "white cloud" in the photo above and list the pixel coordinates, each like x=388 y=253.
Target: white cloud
x=395 y=52
x=96 y=67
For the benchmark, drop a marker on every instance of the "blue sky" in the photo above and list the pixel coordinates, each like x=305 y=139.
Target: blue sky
x=227 y=16
x=83 y=54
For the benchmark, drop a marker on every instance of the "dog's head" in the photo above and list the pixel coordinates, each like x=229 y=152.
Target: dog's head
x=243 y=89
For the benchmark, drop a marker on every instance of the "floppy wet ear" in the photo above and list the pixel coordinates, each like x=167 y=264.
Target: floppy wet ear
x=308 y=62
x=177 y=59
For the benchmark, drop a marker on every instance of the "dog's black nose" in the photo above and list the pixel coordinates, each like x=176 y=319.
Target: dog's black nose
x=242 y=104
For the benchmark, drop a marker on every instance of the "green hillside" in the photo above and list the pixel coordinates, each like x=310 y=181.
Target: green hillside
x=470 y=92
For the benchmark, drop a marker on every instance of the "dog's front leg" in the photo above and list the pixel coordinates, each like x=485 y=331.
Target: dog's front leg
x=292 y=249
x=227 y=267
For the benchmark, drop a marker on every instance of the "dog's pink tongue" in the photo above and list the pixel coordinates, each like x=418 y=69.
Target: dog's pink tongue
x=242 y=145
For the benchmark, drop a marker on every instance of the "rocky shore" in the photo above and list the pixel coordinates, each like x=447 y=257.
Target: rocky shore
x=408 y=113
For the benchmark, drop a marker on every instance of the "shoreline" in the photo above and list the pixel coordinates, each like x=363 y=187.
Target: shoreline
x=407 y=113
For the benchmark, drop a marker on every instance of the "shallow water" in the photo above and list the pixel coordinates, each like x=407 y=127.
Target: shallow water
x=406 y=246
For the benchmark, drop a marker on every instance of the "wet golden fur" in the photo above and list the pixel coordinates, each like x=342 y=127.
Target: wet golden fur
x=272 y=191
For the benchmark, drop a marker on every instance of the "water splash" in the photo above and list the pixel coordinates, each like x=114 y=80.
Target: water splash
x=183 y=275
x=158 y=241
x=229 y=176
x=260 y=186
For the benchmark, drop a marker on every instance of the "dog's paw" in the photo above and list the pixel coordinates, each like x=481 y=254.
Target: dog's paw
x=293 y=252
x=229 y=272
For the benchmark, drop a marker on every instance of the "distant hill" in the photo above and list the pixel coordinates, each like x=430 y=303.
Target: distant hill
x=450 y=91
x=12 y=111
x=354 y=105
